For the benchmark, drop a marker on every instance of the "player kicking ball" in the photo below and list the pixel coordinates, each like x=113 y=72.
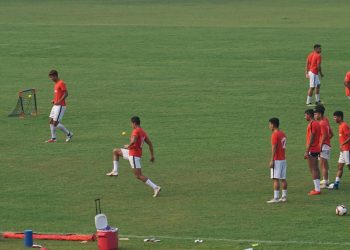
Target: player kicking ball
x=59 y=108
x=133 y=153
x=278 y=163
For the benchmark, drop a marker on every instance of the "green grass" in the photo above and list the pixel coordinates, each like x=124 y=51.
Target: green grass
x=205 y=77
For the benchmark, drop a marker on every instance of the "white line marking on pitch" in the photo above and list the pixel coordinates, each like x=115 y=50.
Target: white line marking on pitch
x=300 y=242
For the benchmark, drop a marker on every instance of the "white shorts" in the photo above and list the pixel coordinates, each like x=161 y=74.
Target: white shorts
x=135 y=162
x=279 y=170
x=325 y=152
x=344 y=157
x=314 y=80
x=57 y=112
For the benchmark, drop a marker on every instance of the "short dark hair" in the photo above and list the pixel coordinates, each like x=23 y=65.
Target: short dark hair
x=136 y=120
x=319 y=110
x=53 y=72
x=320 y=106
x=316 y=46
x=275 y=122
x=310 y=112
x=339 y=114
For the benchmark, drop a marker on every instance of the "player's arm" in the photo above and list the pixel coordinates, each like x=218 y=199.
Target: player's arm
x=324 y=135
x=347 y=133
x=150 y=145
x=319 y=68
x=347 y=84
x=307 y=68
x=273 y=152
x=308 y=145
x=64 y=96
x=330 y=133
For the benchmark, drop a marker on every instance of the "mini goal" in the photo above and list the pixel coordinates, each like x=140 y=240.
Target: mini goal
x=26 y=104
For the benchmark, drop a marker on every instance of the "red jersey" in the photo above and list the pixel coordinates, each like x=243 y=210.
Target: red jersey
x=279 y=138
x=344 y=133
x=347 y=80
x=136 y=149
x=325 y=130
x=60 y=90
x=313 y=60
x=314 y=128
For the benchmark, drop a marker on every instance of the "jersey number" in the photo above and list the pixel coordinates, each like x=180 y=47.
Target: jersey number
x=283 y=142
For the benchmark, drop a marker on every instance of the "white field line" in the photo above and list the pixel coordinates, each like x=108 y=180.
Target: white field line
x=290 y=242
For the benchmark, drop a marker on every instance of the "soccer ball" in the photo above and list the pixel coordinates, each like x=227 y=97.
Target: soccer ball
x=341 y=210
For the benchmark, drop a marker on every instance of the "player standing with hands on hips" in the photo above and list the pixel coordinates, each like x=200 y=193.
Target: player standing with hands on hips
x=313 y=71
x=133 y=153
x=59 y=107
x=278 y=163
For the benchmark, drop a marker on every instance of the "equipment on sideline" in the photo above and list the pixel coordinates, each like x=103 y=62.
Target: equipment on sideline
x=39 y=236
x=26 y=104
x=28 y=238
x=341 y=210
x=101 y=222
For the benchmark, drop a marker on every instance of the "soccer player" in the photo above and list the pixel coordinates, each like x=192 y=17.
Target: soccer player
x=347 y=84
x=59 y=107
x=344 y=143
x=278 y=163
x=325 y=143
x=313 y=136
x=313 y=71
x=133 y=153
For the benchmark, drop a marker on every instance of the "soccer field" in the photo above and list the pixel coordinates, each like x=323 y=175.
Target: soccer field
x=205 y=77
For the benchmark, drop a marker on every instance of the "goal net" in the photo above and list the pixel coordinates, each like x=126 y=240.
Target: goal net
x=26 y=104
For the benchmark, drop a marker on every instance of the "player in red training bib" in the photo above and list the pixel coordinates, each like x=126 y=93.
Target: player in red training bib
x=313 y=136
x=59 y=107
x=133 y=153
x=313 y=71
x=347 y=84
x=278 y=163
x=325 y=143
x=344 y=143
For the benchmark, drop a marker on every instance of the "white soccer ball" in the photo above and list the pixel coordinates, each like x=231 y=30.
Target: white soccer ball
x=341 y=210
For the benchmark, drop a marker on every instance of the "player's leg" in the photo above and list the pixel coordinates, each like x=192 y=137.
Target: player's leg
x=324 y=157
x=276 y=191
x=117 y=153
x=68 y=133
x=336 y=183
x=312 y=86
x=309 y=96
x=343 y=156
x=284 y=181
x=284 y=190
x=317 y=94
x=275 y=176
x=135 y=163
x=317 y=90
x=324 y=168
x=315 y=173
x=53 y=115
x=59 y=124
